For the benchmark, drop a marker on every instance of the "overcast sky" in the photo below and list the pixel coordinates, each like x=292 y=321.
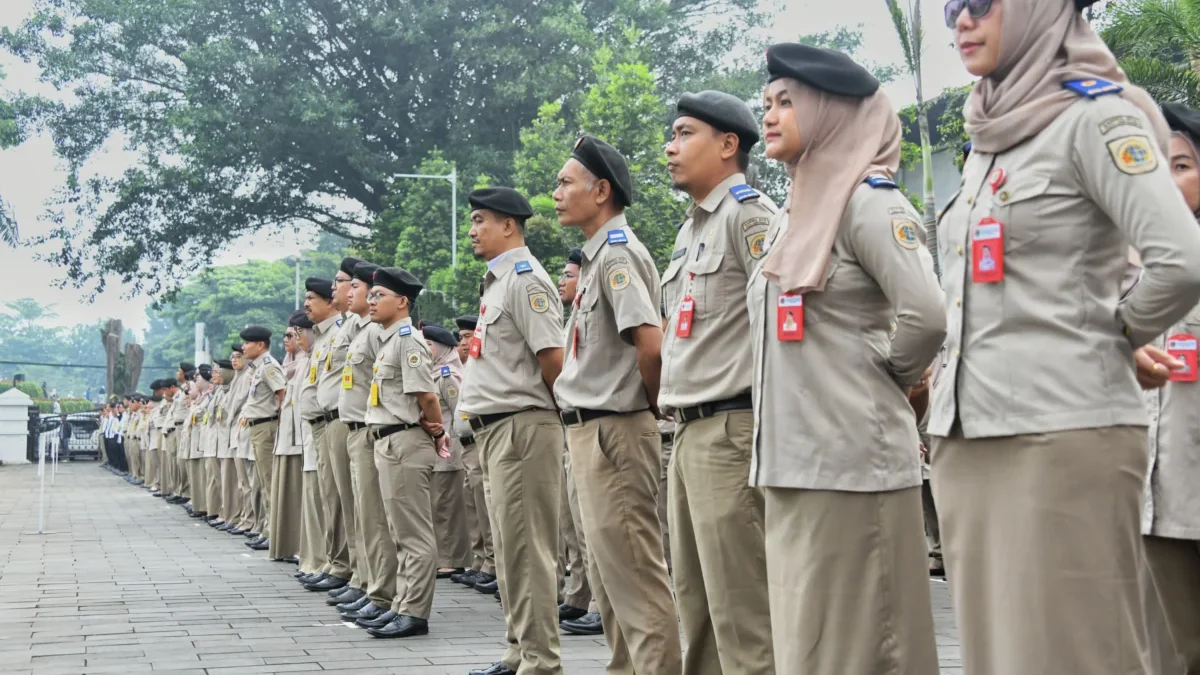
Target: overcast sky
x=29 y=173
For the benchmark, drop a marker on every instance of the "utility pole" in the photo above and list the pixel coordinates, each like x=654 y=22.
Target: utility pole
x=297 y=260
x=453 y=178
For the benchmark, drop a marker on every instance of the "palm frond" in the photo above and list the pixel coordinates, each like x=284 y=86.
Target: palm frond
x=1153 y=28
x=900 y=22
x=1163 y=80
x=9 y=234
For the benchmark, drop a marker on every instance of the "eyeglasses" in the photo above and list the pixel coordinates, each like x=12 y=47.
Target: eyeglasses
x=337 y=281
x=289 y=334
x=977 y=8
x=376 y=296
x=569 y=275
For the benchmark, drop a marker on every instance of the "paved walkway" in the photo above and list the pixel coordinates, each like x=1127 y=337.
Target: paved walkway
x=122 y=583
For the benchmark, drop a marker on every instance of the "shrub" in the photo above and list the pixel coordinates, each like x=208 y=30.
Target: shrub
x=31 y=390
x=69 y=405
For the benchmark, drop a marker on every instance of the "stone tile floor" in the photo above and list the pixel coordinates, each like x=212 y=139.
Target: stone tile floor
x=123 y=583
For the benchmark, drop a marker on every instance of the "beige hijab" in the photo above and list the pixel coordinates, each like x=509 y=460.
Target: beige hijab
x=845 y=140
x=1044 y=43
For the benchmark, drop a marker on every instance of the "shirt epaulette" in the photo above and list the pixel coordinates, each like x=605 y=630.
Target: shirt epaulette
x=744 y=193
x=1093 y=87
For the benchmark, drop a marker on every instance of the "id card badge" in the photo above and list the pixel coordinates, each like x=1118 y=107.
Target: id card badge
x=687 y=311
x=1185 y=348
x=329 y=360
x=312 y=374
x=347 y=374
x=987 y=251
x=789 y=318
x=476 y=349
x=374 y=400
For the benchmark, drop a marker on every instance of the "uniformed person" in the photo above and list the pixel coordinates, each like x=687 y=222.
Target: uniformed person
x=180 y=405
x=260 y=415
x=405 y=424
x=237 y=486
x=208 y=448
x=223 y=480
x=287 y=470
x=1038 y=397
x=314 y=556
x=513 y=361
x=449 y=482
x=479 y=524
x=130 y=427
x=716 y=518
x=203 y=389
x=153 y=439
x=172 y=419
x=608 y=393
x=374 y=540
x=835 y=440
x=1171 y=515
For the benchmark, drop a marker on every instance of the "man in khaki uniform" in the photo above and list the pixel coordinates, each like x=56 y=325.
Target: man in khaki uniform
x=234 y=473
x=402 y=414
x=716 y=518
x=154 y=440
x=374 y=540
x=261 y=414
x=608 y=394
x=479 y=524
x=180 y=405
x=449 y=474
x=129 y=431
x=283 y=541
x=223 y=377
x=514 y=358
x=170 y=487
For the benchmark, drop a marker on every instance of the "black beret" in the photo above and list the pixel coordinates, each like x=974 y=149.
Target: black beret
x=399 y=281
x=1084 y=4
x=467 y=322
x=365 y=272
x=224 y=363
x=205 y=371
x=236 y=347
x=440 y=335
x=605 y=162
x=503 y=200
x=156 y=399
x=726 y=113
x=186 y=367
x=255 y=334
x=826 y=70
x=575 y=256
x=1182 y=118
x=348 y=265
x=155 y=385
x=300 y=320
x=322 y=287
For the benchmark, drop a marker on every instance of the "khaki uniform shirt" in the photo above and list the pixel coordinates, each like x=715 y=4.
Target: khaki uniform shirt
x=314 y=372
x=520 y=315
x=221 y=421
x=289 y=440
x=1049 y=348
x=183 y=446
x=618 y=291
x=830 y=410
x=448 y=390
x=232 y=411
x=329 y=357
x=717 y=246
x=268 y=379
x=358 y=370
x=401 y=370
x=1172 y=506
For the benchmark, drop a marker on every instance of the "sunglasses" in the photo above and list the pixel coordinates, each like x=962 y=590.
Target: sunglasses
x=977 y=8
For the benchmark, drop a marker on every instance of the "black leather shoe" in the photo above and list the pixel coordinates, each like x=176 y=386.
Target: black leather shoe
x=340 y=591
x=252 y=534
x=327 y=584
x=156 y=493
x=352 y=607
x=352 y=595
x=569 y=613
x=449 y=573
x=467 y=578
x=496 y=595
x=300 y=574
x=236 y=531
x=199 y=514
x=588 y=624
x=368 y=612
x=379 y=621
x=404 y=626
x=293 y=560
x=497 y=668
x=313 y=578
x=488 y=587
x=261 y=545
x=254 y=542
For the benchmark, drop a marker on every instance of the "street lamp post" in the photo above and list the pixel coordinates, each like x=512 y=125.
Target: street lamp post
x=453 y=178
x=297 y=260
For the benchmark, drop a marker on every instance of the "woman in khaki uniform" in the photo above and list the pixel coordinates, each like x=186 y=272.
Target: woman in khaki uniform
x=287 y=492
x=1171 y=514
x=835 y=441
x=448 y=489
x=1039 y=439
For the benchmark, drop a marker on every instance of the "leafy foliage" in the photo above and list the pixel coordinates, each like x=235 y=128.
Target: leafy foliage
x=28 y=337
x=1158 y=45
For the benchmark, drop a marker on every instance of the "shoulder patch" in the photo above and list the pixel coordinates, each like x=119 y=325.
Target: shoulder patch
x=414 y=359
x=523 y=267
x=904 y=231
x=539 y=302
x=617 y=237
x=1119 y=121
x=405 y=330
x=445 y=371
x=1133 y=155
x=618 y=278
x=756 y=223
x=881 y=182
x=756 y=244
x=743 y=193
x=1092 y=88
x=678 y=253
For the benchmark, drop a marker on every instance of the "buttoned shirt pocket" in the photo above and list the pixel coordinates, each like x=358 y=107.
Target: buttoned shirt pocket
x=492 y=337
x=390 y=386
x=673 y=285
x=703 y=282
x=823 y=305
x=1022 y=207
x=590 y=323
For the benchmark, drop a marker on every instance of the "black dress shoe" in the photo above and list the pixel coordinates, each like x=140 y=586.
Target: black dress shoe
x=496 y=595
x=379 y=621
x=234 y=530
x=263 y=545
x=404 y=626
x=352 y=595
x=300 y=574
x=588 y=624
x=497 y=668
x=352 y=607
x=339 y=591
x=368 y=612
x=488 y=587
x=569 y=613
x=252 y=534
x=467 y=578
x=313 y=578
x=447 y=575
x=252 y=542
x=156 y=493
x=327 y=584
x=199 y=514
x=292 y=559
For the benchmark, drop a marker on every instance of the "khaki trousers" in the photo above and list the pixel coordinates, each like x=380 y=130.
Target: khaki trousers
x=479 y=522
x=183 y=474
x=198 y=484
x=617 y=463
x=449 y=519
x=133 y=455
x=1175 y=568
x=849 y=568
x=246 y=493
x=719 y=548
x=312 y=529
x=405 y=461
x=212 y=485
x=337 y=549
x=231 y=497
x=262 y=439
x=339 y=464
x=1042 y=543
x=286 y=494
x=664 y=495
x=576 y=591
x=166 y=464
x=152 y=463
x=522 y=464
x=375 y=541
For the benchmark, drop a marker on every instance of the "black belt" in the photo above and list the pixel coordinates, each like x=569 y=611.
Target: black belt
x=578 y=416
x=355 y=426
x=467 y=440
x=167 y=431
x=699 y=412
x=324 y=418
x=380 y=433
x=478 y=422
x=261 y=420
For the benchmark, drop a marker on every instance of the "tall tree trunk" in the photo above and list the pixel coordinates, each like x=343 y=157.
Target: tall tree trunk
x=929 y=213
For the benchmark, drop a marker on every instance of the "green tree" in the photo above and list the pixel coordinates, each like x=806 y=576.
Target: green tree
x=28 y=338
x=1158 y=44
x=9 y=136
